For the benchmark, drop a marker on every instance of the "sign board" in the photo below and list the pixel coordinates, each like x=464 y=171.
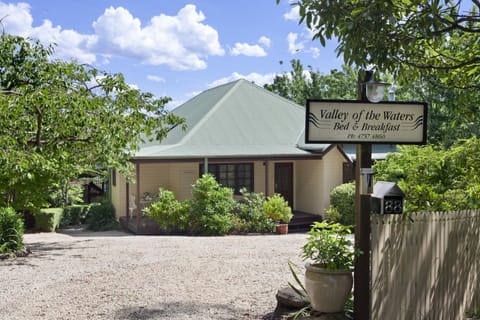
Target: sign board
x=340 y=121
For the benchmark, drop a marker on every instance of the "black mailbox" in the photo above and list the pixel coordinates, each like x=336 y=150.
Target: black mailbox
x=387 y=198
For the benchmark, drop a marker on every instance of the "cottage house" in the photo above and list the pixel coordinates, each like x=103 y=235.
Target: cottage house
x=245 y=136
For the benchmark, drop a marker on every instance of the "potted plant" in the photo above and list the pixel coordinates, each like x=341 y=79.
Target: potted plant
x=277 y=209
x=328 y=275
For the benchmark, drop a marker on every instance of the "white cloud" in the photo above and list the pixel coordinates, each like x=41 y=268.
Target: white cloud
x=293 y=14
x=247 y=50
x=258 y=79
x=173 y=104
x=70 y=44
x=133 y=86
x=300 y=42
x=266 y=42
x=155 y=78
x=293 y=45
x=315 y=52
x=251 y=50
x=182 y=42
x=16 y=18
x=117 y=28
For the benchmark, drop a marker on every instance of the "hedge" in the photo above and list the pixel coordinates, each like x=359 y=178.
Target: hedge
x=48 y=219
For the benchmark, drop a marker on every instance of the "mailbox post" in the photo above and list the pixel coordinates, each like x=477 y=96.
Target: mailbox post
x=387 y=198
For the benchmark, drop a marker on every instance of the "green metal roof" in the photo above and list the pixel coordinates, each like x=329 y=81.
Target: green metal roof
x=237 y=119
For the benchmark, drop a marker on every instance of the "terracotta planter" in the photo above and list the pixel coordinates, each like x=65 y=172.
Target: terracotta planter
x=328 y=290
x=282 y=228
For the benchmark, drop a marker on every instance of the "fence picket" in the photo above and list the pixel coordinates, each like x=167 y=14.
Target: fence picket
x=426 y=265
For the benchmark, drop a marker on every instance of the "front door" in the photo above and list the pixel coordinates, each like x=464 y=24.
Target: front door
x=284 y=181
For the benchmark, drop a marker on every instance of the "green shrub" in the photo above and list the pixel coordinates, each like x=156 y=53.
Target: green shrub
x=276 y=207
x=211 y=211
x=168 y=212
x=216 y=224
x=48 y=219
x=435 y=178
x=11 y=231
x=211 y=207
x=332 y=214
x=208 y=213
x=65 y=194
x=342 y=204
x=239 y=225
x=250 y=214
x=101 y=217
x=75 y=215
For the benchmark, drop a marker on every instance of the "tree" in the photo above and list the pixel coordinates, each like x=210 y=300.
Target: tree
x=299 y=84
x=407 y=38
x=453 y=113
x=61 y=118
x=435 y=178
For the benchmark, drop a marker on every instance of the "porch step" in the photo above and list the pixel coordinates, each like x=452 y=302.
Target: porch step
x=302 y=221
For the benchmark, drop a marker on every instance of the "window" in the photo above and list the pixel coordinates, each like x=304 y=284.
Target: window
x=232 y=175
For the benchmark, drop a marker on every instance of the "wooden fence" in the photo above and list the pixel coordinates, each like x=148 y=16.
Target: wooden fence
x=425 y=266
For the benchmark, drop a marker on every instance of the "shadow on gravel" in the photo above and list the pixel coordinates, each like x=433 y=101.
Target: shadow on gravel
x=48 y=250
x=45 y=251
x=183 y=310
x=83 y=233
x=53 y=248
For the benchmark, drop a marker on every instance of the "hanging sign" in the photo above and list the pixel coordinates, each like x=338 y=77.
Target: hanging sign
x=341 y=121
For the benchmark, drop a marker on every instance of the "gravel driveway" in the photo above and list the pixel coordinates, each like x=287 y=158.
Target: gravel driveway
x=115 y=275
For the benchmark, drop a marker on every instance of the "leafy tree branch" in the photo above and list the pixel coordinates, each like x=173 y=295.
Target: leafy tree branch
x=406 y=38
x=61 y=118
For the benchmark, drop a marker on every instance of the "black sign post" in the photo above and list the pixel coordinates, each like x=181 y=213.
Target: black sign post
x=364 y=123
x=362 y=293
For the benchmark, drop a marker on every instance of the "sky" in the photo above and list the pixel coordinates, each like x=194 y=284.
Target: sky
x=173 y=48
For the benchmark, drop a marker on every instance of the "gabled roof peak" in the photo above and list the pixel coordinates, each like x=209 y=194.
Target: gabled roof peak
x=238 y=118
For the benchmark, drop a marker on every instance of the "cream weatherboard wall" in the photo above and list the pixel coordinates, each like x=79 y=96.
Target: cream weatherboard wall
x=176 y=177
x=259 y=168
x=333 y=175
x=118 y=192
x=152 y=175
x=308 y=184
x=313 y=179
x=182 y=176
